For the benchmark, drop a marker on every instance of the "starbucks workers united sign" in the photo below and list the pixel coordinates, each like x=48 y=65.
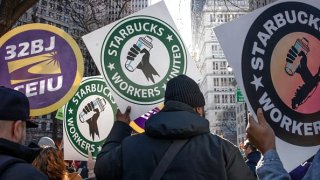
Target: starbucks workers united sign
x=140 y=46
x=138 y=55
x=89 y=116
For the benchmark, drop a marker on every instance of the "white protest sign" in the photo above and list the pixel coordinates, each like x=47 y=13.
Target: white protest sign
x=138 y=55
x=88 y=119
x=275 y=52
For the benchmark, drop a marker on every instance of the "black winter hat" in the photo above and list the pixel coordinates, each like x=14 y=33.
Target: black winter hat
x=14 y=106
x=184 y=89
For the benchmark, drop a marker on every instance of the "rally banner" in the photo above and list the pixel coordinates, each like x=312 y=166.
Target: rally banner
x=138 y=124
x=274 y=52
x=44 y=63
x=88 y=119
x=138 y=55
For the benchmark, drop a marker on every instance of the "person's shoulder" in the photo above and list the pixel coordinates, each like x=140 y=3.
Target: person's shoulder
x=23 y=170
x=224 y=143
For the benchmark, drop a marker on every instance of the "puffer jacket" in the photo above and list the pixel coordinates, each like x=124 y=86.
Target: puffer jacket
x=204 y=157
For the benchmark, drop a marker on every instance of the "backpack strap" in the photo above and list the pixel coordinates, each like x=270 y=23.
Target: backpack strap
x=6 y=161
x=167 y=159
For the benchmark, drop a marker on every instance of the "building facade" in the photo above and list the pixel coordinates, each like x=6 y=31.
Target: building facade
x=77 y=17
x=218 y=80
x=110 y=11
x=241 y=118
x=255 y=4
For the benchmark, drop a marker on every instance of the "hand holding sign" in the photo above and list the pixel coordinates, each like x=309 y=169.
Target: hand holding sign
x=260 y=133
x=124 y=117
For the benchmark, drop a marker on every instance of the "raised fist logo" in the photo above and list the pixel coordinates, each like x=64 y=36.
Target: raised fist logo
x=297 y=63
x=90 y=114
x=139 y=57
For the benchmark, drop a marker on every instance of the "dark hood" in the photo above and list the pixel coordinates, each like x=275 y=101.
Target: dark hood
x=176 y=120
x=19 y=151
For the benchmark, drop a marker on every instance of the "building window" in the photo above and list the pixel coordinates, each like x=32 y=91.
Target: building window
x=215 y=66
x=43 y=126
x=232 y=98
x=52 y=6
x=216 y=98
x=50 y=14
x=223 y=65
x=223 y=81
x=66 y=29
x=225 y=98
x=216 y=81
x=59 y=17
x=59 y=8
x=44 y=3
x=212 y=18
x=42 y=20
x=43 y=12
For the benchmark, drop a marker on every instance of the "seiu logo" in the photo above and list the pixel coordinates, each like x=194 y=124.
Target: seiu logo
x=37 y=74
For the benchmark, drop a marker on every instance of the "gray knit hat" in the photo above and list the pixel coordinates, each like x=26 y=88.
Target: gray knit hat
x=184 y=89
x=46 y=141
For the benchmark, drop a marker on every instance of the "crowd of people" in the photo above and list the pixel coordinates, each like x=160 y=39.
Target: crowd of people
x=177 y=144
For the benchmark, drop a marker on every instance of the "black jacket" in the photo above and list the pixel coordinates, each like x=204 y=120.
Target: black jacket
x=15 y=159
x=205 y=156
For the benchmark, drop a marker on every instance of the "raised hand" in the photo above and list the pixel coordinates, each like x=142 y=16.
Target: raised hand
x=260 y=133
x=124 y=117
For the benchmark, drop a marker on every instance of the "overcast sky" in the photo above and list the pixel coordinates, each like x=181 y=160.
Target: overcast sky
x=180 y=12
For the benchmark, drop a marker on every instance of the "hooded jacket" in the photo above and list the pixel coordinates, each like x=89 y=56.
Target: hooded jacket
x=15 y=159
x=205 y=155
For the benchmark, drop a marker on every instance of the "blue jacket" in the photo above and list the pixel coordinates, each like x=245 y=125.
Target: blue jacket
x=270 y=167
x=252 y=161
x=205 y=156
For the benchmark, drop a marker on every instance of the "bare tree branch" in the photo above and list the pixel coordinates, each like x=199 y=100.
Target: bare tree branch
x=235 y=5
x=11 y=11
x=124 y=5
x=22 y=7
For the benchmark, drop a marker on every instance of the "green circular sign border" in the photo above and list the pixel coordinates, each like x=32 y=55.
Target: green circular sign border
x=164 y=80
x=113 y=106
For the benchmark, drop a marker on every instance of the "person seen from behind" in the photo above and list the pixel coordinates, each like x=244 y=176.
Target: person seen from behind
x=270 y=166
x=252 y=156
x=203 y=155
x=15 y=158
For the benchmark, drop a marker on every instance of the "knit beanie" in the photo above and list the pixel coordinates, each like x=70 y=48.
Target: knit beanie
x=184 y=89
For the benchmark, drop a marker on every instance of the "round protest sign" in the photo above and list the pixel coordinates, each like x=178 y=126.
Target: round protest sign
x=44 y=63
x=281 y=72
x=140 y=55
x=89 y=117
